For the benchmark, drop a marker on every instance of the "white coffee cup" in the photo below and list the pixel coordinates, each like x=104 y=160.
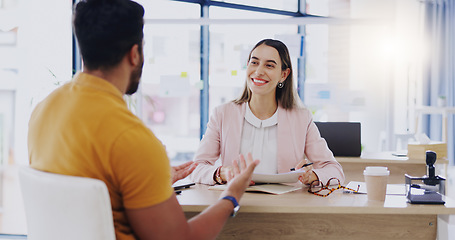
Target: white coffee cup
x=376 y=181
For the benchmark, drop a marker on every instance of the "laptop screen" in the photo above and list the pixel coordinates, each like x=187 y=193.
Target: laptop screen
x=343 y=138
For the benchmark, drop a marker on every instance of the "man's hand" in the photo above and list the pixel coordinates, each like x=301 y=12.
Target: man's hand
x=240 y=176
x=182 y=171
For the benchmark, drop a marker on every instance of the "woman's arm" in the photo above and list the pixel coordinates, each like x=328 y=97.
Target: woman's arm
x=325 y=165
x=208 y=152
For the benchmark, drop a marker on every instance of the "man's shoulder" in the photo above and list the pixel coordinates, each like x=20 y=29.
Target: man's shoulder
x=121 y=119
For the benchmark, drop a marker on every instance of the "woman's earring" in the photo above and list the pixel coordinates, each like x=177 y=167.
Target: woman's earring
x=280 y=85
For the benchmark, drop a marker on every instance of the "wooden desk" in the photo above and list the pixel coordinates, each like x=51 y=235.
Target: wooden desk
x=302 y=215
x=353 y=166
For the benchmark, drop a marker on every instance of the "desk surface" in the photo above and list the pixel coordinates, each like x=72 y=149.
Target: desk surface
x=384 y=157
x=337 y=217
x=399 y=166
x=198 y=197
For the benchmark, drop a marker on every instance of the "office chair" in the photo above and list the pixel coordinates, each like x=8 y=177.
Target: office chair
x=343 y=138
x=65 y=207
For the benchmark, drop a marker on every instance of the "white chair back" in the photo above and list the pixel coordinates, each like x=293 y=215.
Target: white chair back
x=65 y=207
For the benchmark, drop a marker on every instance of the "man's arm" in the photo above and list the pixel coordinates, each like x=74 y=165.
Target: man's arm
x=167 y=220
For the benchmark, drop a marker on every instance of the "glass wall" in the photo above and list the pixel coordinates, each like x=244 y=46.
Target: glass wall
x=348 y=76
x=286 y=5
x=354 y=70
x=169 y=98
x=170 y=87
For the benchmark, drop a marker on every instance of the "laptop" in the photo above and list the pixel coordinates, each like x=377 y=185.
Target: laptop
x=343 y=138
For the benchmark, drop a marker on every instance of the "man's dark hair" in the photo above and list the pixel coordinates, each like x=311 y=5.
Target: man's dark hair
x=106 y=30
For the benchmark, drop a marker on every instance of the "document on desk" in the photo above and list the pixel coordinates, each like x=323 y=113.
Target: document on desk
x=289 y=177
x=273 y=188
x=392 y=189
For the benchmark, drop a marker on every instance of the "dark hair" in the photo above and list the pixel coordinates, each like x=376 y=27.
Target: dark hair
x=106 y=30
x=285 y=96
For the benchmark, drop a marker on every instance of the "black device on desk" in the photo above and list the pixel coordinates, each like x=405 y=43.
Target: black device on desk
x=183 y=185
x=343 y=138
x=429 y=189
x=180 y=185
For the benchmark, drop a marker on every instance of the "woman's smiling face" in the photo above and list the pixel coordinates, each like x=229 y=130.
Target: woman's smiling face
x=264 y=71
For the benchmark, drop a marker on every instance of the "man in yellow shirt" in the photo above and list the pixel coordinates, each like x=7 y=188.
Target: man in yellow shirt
x=84 y=128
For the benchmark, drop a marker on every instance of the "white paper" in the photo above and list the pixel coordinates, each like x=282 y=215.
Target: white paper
x=289 y=177
x=392 y=189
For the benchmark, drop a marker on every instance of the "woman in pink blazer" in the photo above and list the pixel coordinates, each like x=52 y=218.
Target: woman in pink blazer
x=267 y=120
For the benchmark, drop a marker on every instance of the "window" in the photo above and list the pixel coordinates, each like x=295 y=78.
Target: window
x=168 y=100
x=347 y=75
x=285 y=5
x=170 y=87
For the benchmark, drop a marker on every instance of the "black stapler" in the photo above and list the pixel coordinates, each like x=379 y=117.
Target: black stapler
x=429 y=189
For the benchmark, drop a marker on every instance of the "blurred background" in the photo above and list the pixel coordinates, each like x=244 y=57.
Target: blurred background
x=388 y=64
x=378 y=62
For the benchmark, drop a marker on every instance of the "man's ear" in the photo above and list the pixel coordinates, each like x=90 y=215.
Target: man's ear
x=134 y=57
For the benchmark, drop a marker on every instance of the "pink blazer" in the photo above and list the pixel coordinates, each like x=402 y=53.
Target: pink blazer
x=297 y=135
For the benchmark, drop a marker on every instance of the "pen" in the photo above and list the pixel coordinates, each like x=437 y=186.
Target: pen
x=304 y=165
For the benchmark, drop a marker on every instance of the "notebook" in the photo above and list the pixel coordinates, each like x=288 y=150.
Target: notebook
x=343 y=138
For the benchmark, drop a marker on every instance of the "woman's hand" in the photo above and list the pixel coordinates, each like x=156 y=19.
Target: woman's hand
x=225 y=173
x=182 y=171
x=308 y=176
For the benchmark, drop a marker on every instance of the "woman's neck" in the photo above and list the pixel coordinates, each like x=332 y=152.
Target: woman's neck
x=263 y=108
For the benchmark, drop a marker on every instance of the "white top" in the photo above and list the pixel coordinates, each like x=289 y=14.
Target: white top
x=259 y=138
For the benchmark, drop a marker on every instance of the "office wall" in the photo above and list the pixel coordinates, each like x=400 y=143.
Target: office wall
x=43 y=60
